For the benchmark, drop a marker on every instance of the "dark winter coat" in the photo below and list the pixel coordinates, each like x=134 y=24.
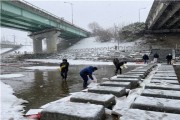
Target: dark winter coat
x=156 y=55
x=87 y=71
x=145 y=57
x=120 y=64
x=115 y=61
x=169 y=57
x=64 y=66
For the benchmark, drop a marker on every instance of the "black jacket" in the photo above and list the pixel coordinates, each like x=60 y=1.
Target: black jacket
x=169 y=57
x=145 y=57
x=156 y=55
x=64 y=66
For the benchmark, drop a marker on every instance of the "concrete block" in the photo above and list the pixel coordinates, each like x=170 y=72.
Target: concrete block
x=165 y=81
x=128 y=76
x=134 y=81
x=161 y=93
x=106 y=100
x=116 y=84
x=140 y=74
x=166 y=71
x=73 y=111
x=157 y=104
x=166 y=78
x=115 y=78
x=117 y=91
x=137 y=72
x=162 y=86
x=140 y=70
x=165 y=75
x=136 y=114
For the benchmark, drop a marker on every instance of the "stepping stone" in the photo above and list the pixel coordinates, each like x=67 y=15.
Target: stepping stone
x=162 y=86
x=157 y=104
x=106 y=100
x=139 y=70
x=73 y=111
x=136 y=114
x=116 y=84
x=172 y=71
x=161 y=93
x=124 y=79
x=165 y=75
x=166 y=78
x=128 y=76
x=117 y=91
x=165 y=81
x=134 y=81
x=134 y=74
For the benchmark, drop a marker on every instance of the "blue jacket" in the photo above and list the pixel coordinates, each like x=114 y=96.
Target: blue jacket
x=87 y=71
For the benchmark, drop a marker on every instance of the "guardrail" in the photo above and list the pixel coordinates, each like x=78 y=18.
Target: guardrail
x=120 y=48
x=48 y=13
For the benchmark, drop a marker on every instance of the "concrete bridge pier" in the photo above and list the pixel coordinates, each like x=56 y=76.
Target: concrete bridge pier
x=51 y=40
x=37 y=45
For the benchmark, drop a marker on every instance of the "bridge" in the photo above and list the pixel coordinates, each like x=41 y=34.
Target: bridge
x=164 y=16
x=41 y=24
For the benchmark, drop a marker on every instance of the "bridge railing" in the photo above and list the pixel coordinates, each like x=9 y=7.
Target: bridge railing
x=27 y=3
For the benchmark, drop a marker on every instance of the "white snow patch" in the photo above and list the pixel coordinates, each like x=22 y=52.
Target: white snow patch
x=10 y=104
x=41 y=67
x=3 y=50
x=11 y=75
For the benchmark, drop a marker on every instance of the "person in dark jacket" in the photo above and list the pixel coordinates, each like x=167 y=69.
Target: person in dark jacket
x=87 y=72
x=119 y=67
x=156 y=56
x=169 y=58
x=64 y=66
x=145 y=58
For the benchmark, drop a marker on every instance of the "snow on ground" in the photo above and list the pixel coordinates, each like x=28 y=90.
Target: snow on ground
x=41 y=67
x=92 y=43
x=10 y=104
x=25 y=49
x=11 y=75
x=3 y=50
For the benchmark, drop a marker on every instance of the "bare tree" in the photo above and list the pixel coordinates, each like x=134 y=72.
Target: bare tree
x=95 y=28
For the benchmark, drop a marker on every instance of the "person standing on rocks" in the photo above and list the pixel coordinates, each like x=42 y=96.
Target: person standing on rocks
x=156 y=56
x=64 y=66
x=169 y=59
x=85 y=73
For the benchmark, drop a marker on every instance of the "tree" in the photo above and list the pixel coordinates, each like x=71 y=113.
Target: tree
x=95 y=28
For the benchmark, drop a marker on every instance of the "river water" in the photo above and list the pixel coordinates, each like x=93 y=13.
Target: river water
x=40 y=87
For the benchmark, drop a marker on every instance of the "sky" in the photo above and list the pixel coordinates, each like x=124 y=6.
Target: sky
x=105 y=13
